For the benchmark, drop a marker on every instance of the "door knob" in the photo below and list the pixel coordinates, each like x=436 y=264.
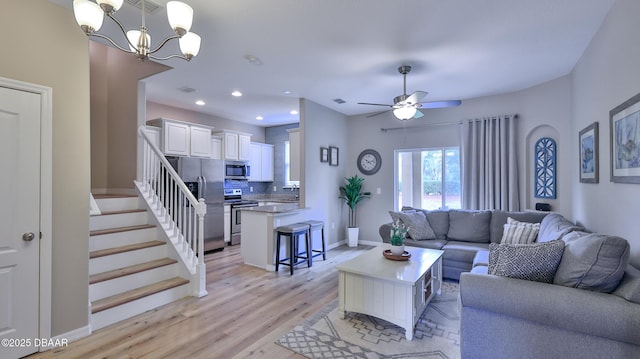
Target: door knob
x=28 y=237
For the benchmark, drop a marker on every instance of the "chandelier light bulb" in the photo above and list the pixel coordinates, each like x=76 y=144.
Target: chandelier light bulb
x=89 y=15
x=190 y=44
x=180 y=17
x=134 y=38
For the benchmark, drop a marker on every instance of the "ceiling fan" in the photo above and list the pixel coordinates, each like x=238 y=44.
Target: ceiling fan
x=406 y=107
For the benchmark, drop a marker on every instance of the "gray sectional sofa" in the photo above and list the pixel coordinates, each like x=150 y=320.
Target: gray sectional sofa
x=588 y=308
x=459 y=233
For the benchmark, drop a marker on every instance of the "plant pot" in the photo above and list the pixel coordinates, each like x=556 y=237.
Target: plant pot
x=397 y=250
x=353 y=236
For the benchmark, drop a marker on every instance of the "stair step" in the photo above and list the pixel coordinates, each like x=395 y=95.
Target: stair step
x=120 y=229
x=123 y=211
x=119 y=299
x=123 y=249
x=112 y=195
x=137 y=268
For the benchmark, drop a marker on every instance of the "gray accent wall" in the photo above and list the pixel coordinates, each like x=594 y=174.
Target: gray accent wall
x=607 y=75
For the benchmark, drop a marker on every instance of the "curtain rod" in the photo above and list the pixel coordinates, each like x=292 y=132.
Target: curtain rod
x=385 y=130
x=420 y=127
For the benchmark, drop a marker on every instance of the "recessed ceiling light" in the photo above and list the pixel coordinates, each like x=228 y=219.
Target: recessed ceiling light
x=236 y=93
x=294 y=112
x=200 y=103
x=259 y=118
x=286 y=92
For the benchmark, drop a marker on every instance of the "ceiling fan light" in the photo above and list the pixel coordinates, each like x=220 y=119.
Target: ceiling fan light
x=190 y=44
x=115 y=5
x=89 y=15
x=404 y=113
x=180 y=17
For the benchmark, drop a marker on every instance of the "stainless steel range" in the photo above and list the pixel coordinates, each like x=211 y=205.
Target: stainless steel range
x=233 y=197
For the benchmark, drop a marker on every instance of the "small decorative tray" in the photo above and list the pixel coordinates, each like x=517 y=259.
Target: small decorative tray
x=394 y=257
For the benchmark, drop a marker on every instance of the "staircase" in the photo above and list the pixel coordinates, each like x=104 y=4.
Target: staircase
x=131 y=267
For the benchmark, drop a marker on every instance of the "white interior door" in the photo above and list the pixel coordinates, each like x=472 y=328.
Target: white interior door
x=19 y=221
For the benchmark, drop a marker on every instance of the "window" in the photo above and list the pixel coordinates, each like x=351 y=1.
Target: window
x=428 y=178
x=287 y=167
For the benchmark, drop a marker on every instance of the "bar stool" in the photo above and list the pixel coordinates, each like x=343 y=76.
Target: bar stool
x=293 y=232
x=313 y=224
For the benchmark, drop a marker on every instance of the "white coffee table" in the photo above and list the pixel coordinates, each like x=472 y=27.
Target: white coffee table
x=396 y=291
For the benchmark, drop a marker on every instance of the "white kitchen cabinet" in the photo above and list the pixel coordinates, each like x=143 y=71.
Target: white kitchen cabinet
x=154 y=135
x=236 y=145
x=294 y=154
x=261 y=162
x=200 y=142
x=179 y=138
x=216 y=148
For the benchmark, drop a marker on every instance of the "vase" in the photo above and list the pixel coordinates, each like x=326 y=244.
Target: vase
x=353 y=236
x=397 y=250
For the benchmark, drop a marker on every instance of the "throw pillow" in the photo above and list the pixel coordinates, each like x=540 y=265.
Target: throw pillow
x=629 y=287
x=535 y=262
x=516 y=232
x=469 y=226
x=592 y=261
x=419 y=227
x=554 y=226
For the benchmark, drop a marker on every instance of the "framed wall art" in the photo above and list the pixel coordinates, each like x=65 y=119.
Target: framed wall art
x=333 y=156
x=324 y=154
x=545 y=168
x=589 y=154
x=624 y=123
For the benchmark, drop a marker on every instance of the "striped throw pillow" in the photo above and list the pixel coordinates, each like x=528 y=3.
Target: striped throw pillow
x=516 y=232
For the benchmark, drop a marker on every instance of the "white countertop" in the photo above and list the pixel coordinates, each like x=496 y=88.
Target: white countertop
x=275 y=209
x=374 y=264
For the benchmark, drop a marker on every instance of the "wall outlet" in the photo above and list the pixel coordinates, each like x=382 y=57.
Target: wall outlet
x=250 y=189
x=378 y=190
x=333 y=225
x=275 y=188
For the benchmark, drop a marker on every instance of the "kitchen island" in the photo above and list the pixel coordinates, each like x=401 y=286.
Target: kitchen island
x=258 y=231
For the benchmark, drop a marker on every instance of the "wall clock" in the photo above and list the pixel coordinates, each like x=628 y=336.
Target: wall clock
x=369 y=162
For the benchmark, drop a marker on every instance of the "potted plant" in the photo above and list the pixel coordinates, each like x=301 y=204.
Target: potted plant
x=398 y=233
x=352 y=194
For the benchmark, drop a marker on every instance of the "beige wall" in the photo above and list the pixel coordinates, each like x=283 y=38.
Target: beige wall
x=156 y=110
x=55 y=53
x=114 y=113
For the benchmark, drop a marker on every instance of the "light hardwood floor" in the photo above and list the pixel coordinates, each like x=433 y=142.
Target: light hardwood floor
x=246 y=310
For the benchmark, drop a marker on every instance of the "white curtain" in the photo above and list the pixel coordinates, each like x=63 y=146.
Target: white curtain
x=490 y=163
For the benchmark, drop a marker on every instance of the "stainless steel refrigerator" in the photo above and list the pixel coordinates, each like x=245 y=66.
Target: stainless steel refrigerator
x=206 y=178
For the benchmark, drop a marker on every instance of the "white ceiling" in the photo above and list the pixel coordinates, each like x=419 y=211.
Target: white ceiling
x=350 y=49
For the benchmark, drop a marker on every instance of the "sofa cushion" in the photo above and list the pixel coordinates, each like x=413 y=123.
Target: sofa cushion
x=417 y=223
x=535 y=262
x=499 y=218
x=629 y=287
x=432 y=244
x=439 y=222
x=516 y=232
x=469 y=226
x=462 y=251
x=554 y=226
x=481 y=259
x=592 y=261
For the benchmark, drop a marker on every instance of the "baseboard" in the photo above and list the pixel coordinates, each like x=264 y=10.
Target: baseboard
x=370 y=243
x=63 y=340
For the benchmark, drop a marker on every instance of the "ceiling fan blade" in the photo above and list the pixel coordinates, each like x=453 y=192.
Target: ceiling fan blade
x=373 y=104
x=440 y=104
x=416 y=97
x=418 y=114
x=377 y=113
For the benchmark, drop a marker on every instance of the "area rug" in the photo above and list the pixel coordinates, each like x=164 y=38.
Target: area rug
x=325 y=335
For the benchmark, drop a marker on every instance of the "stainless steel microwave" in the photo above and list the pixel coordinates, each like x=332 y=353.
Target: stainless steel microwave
x=236 y=170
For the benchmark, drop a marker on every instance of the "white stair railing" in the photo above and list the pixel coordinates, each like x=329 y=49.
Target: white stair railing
x=181 y=214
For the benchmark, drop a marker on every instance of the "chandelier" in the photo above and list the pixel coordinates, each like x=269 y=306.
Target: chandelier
x=90 y=16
